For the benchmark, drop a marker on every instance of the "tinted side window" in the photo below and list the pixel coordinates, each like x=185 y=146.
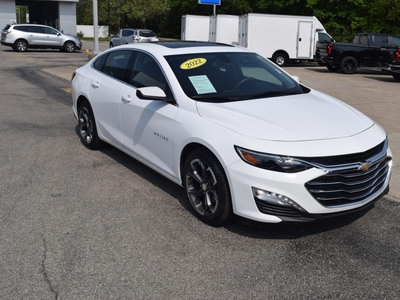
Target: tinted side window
x=49 y=30
x=36 y=29
x=396 y=41
x=380 y=40
x=323 y=37
x=127 y=32
x=6 y=28
x=99 y=62
x=116 y=64
x=147 y=72
x=22 y=28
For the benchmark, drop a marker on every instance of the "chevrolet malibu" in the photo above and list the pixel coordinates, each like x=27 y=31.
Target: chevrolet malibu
x=238 y=133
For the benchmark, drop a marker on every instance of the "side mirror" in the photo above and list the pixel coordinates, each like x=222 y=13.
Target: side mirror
x=151 y=93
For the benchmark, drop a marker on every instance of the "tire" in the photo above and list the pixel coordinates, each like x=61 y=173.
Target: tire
x=207 y=187
x=396 y=76
x=69 y=47
x=280 y=59
x=20 y=46
x=348 y=65
x=332 y=68
x=87 y=127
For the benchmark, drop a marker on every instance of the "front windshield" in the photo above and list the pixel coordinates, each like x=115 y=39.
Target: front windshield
x=231 y=76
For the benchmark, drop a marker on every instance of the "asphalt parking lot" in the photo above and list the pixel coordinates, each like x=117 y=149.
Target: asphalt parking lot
x=81 y=224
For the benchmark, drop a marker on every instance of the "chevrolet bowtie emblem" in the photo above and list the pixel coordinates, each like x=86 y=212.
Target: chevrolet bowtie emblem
x=365 y=166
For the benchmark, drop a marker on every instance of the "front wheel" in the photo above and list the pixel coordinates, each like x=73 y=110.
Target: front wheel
x=87 y=127
x=348 y=65
x=69 y=47
x=207 y=187
x=396 y=76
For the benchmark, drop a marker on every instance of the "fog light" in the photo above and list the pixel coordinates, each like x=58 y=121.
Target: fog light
x=276 y=199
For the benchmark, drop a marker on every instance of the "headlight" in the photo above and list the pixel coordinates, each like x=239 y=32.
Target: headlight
x=272 y=162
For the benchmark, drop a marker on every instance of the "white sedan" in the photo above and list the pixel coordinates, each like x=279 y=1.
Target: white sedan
x=239 y=134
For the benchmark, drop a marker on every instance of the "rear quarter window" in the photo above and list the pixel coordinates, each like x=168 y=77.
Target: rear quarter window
x=22 y=28
x=7 y=27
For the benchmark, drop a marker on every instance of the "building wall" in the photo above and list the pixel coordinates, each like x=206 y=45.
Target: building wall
x=88 y=30
x=67 y=17
x=7 y=12
x=65 y=20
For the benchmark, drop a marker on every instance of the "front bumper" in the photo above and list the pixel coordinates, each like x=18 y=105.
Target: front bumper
x=392 y=68
x=245 y=178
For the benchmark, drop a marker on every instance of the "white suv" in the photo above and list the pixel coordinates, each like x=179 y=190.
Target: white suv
x=129 y=35
x=23 y=36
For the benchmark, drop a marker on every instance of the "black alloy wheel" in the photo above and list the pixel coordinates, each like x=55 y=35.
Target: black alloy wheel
x=207 y=187
x=87 y=127
x=348 y=65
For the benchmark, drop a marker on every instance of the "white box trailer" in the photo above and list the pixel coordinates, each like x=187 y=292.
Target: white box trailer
x=280 y=37
x=224 y=29
x=195 y=28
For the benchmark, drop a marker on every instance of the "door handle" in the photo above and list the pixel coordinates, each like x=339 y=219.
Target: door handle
x=126 y=98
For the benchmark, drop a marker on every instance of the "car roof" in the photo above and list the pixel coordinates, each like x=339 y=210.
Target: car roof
x=174 y=47
x=28 y=24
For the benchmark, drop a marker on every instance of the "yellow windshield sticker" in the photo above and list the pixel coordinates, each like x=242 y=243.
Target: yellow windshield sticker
x=193 y=63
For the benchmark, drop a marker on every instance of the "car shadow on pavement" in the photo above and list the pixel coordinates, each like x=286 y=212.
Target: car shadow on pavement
x=237 y=225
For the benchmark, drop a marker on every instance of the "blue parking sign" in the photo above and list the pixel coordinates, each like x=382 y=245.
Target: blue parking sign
x=212 y=2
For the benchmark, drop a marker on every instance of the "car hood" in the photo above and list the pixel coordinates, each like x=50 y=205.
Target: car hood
x=305 y=117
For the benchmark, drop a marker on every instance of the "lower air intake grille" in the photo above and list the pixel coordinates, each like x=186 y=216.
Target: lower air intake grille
x=344 y=187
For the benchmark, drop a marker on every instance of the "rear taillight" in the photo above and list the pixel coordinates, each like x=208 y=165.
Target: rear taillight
x=73 y=76
x=329 y=48
x=397 y=55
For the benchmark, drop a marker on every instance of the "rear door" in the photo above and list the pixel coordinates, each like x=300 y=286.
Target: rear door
x=305 y=40
x=35 y=35
x=105 y=92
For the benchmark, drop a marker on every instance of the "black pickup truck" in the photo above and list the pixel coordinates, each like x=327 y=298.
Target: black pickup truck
x=367 y=49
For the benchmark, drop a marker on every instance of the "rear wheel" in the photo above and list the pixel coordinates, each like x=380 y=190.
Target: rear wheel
x=332 y=68
x=87 y=127
x=280 y=58
x=348 y=65
x=396 y=76
x=207 y=187
x=20 y=46
x=69 y=47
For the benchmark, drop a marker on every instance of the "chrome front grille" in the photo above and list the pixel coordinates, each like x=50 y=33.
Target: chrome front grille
x=348 y=186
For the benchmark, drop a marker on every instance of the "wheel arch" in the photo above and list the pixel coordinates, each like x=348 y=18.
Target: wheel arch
x=192 y=147
x=280 y=52
x=352 y=54
x=79 y=101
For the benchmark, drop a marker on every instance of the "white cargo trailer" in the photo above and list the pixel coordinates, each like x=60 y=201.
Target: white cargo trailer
x=195 y=28
x=280 y=37
x=224 y=29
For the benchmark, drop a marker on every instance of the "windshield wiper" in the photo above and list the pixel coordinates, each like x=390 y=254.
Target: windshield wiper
x=269 y=94
x=215 y=98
